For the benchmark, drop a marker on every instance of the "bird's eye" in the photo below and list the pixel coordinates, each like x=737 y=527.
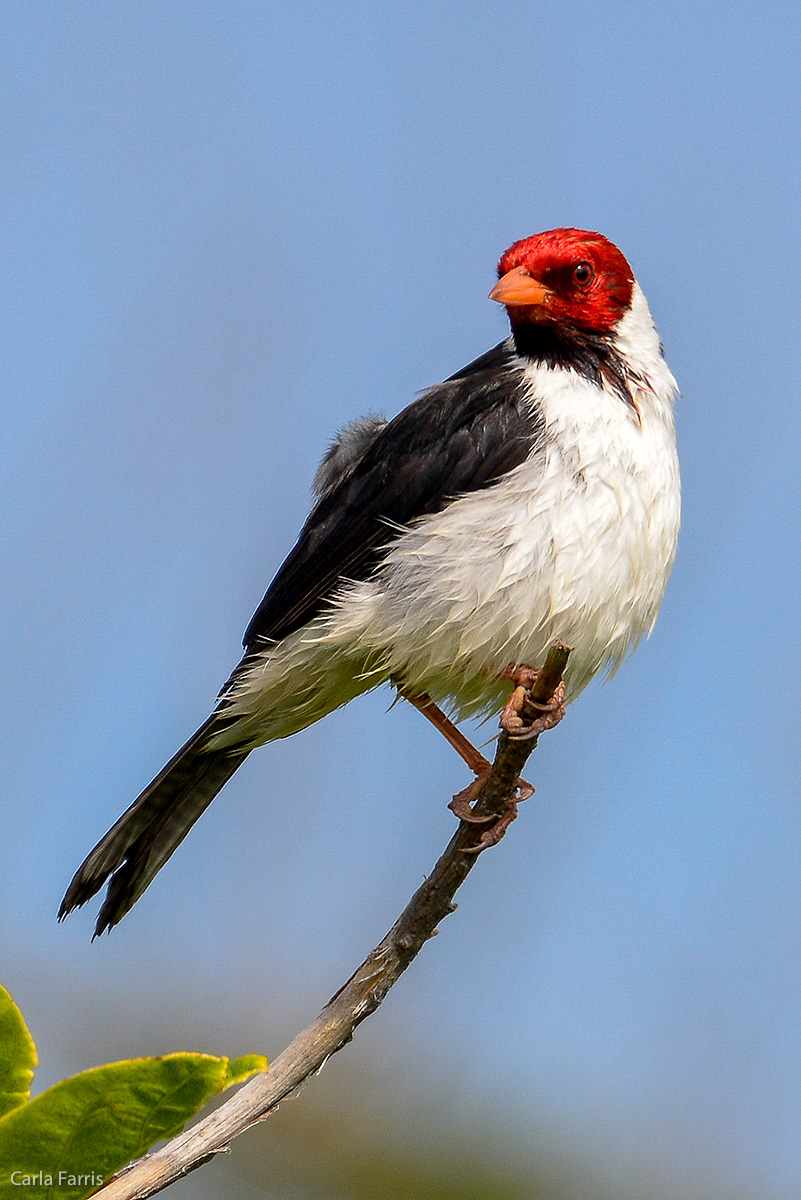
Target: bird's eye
x=583 y=274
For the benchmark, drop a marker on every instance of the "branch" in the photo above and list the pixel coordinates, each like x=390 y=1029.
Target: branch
x=365 y=989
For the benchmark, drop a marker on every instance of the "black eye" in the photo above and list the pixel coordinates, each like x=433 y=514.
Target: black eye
x=583 y=274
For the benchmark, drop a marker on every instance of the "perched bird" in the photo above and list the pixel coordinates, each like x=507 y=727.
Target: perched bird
x=533 y=495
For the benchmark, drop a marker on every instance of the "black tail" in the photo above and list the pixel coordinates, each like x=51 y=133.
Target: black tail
x=136 y=848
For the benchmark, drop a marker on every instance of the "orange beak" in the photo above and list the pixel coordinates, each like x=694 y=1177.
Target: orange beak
x=518 y=289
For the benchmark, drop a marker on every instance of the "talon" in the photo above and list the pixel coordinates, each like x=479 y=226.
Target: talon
x=510 y=717
x=461 y=802
x=495 y=825
x=525 y=790
x=551 y=712
x=493 y=834
x=525 y=733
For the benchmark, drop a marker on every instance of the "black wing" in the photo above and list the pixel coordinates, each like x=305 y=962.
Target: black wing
x=457 y=437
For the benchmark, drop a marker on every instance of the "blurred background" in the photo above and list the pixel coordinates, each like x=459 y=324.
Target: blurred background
x=226 y=230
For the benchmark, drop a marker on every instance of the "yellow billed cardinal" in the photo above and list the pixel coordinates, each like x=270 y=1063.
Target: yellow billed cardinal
x=534 y=495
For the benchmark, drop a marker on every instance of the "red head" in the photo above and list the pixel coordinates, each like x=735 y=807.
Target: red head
x=565 y=277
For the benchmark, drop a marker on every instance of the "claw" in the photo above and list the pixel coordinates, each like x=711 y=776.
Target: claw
x=495 y=825
x=460 y=804
x=552 y=712
x=493 y=833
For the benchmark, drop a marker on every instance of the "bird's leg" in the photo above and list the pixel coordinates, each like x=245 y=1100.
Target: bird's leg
x=512 y=722
x=517 y=725
x=461 y=803
x=514 y=726
x=475 y=760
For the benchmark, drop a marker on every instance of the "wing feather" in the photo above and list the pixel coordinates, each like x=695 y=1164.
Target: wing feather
x=457 y=437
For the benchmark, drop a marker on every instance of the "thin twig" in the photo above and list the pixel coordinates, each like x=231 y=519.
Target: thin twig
x=363 y=992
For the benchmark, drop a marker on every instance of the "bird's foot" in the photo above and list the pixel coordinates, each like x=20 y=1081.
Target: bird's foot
x=551 y=713
x=495 y=824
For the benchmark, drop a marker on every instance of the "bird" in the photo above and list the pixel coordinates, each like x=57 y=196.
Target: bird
x=533 y=495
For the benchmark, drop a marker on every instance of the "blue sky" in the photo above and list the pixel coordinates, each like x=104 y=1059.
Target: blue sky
x=228 y=229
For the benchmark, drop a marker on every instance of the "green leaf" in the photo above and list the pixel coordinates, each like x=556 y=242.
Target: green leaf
x=240 y=1069
x=17 y=1056
x=72 y=1138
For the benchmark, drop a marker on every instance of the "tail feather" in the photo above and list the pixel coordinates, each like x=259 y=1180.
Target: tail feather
x=136 y=848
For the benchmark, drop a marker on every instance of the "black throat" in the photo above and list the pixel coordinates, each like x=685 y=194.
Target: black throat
x=594 y=356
